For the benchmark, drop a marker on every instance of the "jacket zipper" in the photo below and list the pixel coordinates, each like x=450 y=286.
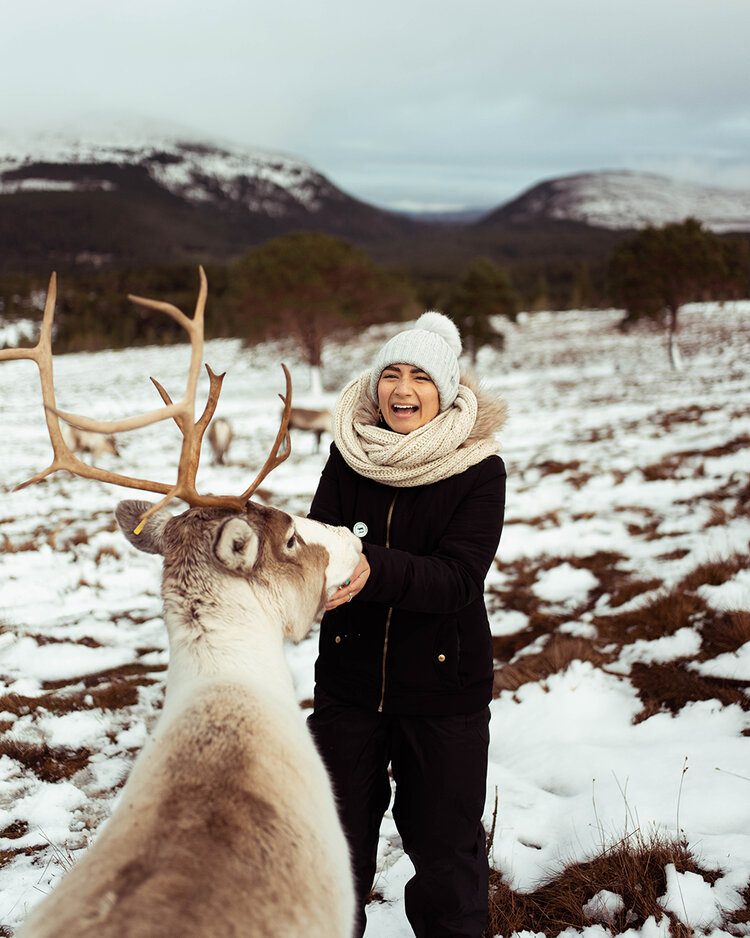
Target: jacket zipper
x=390 y=608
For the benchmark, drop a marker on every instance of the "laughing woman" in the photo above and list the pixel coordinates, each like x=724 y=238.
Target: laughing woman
x=404 y=673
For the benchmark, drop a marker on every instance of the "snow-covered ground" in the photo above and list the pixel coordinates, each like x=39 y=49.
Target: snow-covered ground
x=624 y=478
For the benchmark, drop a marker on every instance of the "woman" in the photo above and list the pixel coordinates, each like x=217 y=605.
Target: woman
x=404 y=673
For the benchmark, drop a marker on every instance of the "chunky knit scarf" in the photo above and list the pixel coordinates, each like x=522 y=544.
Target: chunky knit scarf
x=437 y=450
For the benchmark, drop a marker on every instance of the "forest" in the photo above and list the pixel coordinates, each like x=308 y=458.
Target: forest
x=309 y=285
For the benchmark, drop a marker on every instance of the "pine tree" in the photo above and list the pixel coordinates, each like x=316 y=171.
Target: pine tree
x=658 y=270
x=484 y=291
x=581 y=296
x=307 y=285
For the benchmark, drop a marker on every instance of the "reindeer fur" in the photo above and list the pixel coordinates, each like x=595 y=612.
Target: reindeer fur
x=227 y=825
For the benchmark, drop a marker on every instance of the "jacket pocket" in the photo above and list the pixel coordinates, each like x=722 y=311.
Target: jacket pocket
x=349 y=648
x=447 y=653
x=475 y=650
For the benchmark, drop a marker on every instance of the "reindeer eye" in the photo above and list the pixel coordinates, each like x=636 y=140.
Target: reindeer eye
x=292 y=541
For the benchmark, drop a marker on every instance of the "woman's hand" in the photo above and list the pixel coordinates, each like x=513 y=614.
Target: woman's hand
x=353 y=585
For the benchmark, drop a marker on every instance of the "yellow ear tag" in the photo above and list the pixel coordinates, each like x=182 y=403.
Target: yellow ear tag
x=139 y=527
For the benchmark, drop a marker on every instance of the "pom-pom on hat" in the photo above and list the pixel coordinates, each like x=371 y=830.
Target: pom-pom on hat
x=432 y=344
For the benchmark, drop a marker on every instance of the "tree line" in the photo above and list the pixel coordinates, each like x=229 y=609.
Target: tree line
x=307 y=286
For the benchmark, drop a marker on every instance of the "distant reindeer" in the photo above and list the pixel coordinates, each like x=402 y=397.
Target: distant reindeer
x=220 y=435
x=316 y=421
x=84 y=441
x=227 y=824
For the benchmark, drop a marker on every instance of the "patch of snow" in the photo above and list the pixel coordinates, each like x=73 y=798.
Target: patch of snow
x=565 y=584
x=685 y=642
x=60 y=660
x=80 y=728
x=734 y=594
x=508 y=622
x=604 y=906
x=32 y=184
x=689 y=897
x=578 y=629
x=734 y=665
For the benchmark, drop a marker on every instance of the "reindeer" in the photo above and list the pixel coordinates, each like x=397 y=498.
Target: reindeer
x=227 y=824
x=220 y=436
x=83 y=441
x=316 y=421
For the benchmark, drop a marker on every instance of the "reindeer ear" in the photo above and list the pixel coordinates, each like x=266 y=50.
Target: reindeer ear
x=128 y=514
x=236 y=546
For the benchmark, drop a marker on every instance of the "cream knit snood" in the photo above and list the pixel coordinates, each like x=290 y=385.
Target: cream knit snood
x=435 y=451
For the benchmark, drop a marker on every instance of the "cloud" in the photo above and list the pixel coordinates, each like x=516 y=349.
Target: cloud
x=409 y=99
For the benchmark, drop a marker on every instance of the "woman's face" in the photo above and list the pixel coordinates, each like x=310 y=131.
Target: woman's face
x=407 y=397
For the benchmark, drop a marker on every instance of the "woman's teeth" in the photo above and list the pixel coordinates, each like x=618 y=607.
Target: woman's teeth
x=404 y=408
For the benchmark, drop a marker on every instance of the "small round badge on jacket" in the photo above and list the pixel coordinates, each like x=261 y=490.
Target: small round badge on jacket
x=360 y=529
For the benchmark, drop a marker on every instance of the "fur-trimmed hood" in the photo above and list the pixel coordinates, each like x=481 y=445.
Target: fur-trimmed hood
x=492 y=412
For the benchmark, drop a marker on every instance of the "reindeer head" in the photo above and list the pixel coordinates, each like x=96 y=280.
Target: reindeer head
x=289 y=564
x=222 y=541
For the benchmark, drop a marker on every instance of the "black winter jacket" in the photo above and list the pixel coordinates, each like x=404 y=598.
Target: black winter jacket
x=416 y=639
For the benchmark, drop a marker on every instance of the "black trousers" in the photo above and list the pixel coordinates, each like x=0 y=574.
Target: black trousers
x=439 y=766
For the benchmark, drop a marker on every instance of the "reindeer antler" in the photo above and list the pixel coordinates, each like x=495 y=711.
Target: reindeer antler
x=183 y=413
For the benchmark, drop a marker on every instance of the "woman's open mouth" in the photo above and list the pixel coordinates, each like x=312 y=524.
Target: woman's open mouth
x=404 y=410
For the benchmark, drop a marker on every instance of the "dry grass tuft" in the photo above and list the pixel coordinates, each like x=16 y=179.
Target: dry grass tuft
x=7 y=857
x=648 y=529
x=553 y=466
x=519 y=594
x=738 y=922
x=106 y=551
x=676 y=554
x=629 y=590
x=715 y=572
x=669 y=611
x=506 y=647
x=550 y=519
x=117 y=694
x=689 y=463
x=85 y=640
x=633 y=869
x=614 y=580
x=8 y=547
x=669 y=686
x=111 y=674
x=48 y=763
x=668 y=467
x=15 y=830
x=724 y=631
x=668 y=419
x=556 y=655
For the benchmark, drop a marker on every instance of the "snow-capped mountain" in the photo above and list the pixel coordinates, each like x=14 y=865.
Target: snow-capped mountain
x=621 y=199
x=139 y=194
x=128 y=193
x=260 y=181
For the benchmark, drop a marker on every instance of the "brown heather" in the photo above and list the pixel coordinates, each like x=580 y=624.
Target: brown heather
x=632 y=868
x=556 y=656
x=669 y=686
x=47 y=763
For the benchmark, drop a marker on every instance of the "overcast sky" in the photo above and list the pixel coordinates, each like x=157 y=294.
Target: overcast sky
x=405 y=102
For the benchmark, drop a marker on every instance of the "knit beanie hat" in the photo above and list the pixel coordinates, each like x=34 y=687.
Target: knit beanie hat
x=432 y=344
